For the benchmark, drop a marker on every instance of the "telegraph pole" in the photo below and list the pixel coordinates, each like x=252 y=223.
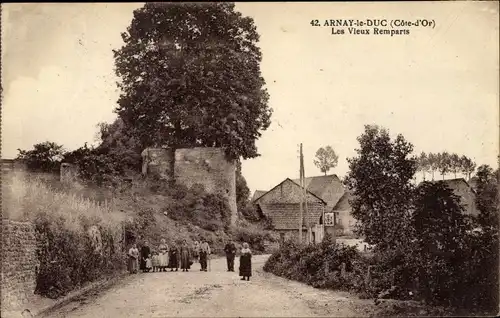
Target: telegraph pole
x=301 y=212
x=304 y=197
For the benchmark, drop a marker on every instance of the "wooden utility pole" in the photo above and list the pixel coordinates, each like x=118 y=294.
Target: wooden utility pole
x=301 y=212
x=304 y=196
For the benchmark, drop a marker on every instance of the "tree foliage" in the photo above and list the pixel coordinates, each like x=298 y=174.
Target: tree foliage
x=445 y=163
x=97 y=166
x=438 y=218
x=379 y=179
x=487 y=201
x=326 y=158
x=190 y=76
x=423 y=164
x=44 y=157
x=116 y=141
x=467 y=166
x=242 y=190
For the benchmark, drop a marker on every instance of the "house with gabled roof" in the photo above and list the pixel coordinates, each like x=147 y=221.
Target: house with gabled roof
x=281 y=205
x=465 y=191
x=257 y=194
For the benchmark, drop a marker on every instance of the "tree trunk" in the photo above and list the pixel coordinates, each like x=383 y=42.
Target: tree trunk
x=432 y=175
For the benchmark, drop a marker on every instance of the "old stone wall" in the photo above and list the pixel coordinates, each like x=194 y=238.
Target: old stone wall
x=19 y=263
x=189 y=166
x=209 y=167
x=158 y=161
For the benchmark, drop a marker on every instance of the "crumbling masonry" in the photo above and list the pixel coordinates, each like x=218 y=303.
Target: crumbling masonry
x=206 y=166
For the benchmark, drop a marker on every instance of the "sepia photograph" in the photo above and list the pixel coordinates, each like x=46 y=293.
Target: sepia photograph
x=250 y=159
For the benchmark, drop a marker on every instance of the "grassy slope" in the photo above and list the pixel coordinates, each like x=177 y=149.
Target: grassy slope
x=25 y=194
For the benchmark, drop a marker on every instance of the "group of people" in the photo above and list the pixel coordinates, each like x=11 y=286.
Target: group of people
x=172 y=257
x=167 y=257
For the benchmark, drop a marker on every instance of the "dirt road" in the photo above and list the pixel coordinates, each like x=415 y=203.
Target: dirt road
x=217 y=293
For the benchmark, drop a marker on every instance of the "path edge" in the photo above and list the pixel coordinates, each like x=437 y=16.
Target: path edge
x=103 y=283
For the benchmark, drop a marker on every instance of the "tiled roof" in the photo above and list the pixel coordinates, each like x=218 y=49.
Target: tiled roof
x=453 y=183
x=285 y=216
x=293 y=182
x=328 y=188
x=257 y=194
x=343 y=203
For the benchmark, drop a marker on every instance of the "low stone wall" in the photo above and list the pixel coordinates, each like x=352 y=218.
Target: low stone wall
x=19 y=263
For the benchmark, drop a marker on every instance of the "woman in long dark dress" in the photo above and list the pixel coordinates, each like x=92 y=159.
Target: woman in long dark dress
x=173 y=258
x=145 y=254
x=185 y=257
x=245 y=262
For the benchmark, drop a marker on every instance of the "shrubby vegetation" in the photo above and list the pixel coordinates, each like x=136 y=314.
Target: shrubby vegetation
x=68 y=256
x=309 y=263
x=426 y=248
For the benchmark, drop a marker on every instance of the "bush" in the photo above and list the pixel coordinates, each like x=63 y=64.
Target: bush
x=68 y=257
x=317 y=265
x=257 y=238
x=209 y=211
x=67 y=254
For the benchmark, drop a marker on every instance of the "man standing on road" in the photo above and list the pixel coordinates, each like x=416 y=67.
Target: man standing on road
x=230 y=250
x=204 y=252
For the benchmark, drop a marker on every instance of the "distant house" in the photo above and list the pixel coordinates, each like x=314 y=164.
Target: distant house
x=343 y=218
x=281 y=205
x=332 y=191
x=325 y=207
x=257 y=194
x=466 y=193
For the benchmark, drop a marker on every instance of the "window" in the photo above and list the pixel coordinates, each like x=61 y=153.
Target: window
x=338 y=220
x=329 y=219
x=332 y=218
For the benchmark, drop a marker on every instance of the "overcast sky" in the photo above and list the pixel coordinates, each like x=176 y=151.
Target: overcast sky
x=437 y=86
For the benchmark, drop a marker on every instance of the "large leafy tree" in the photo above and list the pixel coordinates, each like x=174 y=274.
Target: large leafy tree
x=190 y=76
x=440 y=246
x=380 y=179
x=44 y=157
x=326 y=158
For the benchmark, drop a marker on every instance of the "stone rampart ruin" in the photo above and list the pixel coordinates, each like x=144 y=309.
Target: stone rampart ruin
x=206 y=166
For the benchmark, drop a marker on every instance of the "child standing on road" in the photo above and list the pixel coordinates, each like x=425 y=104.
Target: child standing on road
x=155 y=262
